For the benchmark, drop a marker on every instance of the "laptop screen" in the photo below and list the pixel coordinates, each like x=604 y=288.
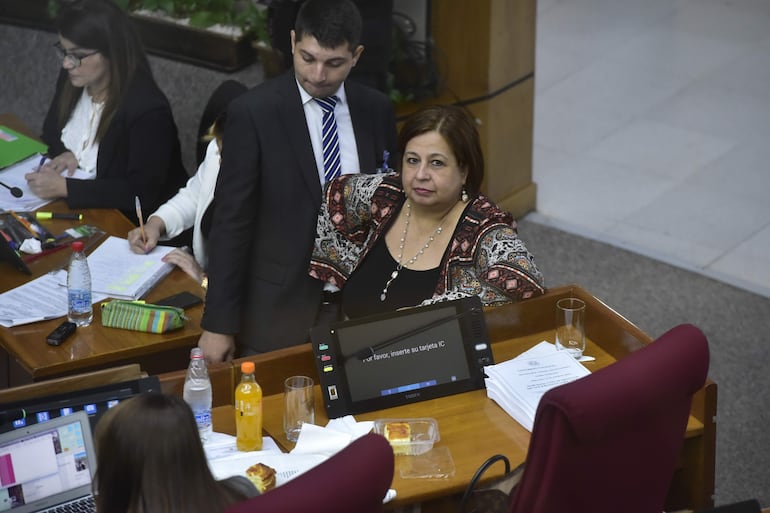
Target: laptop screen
x=46 y=464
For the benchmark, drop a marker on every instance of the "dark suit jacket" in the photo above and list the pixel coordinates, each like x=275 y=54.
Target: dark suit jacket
x=138 y=156
x=267 y=200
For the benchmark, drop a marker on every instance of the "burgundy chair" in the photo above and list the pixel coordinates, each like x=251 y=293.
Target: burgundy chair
x=355 y=480
x=610 y=442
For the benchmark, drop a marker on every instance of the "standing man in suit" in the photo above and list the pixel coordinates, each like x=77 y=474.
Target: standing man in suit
x=271 y=180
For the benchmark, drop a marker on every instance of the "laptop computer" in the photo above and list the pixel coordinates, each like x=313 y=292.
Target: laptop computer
x=48 y=465
x=15 y=147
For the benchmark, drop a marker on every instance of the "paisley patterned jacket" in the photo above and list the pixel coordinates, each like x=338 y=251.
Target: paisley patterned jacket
x=486 y=257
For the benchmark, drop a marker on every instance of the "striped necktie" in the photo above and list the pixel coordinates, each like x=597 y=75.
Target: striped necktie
x=331 y=143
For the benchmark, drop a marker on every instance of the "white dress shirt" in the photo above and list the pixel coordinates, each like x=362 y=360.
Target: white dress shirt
x=345 y=134
x=79 y=134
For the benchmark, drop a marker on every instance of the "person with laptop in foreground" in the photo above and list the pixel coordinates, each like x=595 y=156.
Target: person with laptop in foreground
x=424 y=235
x=149 y=458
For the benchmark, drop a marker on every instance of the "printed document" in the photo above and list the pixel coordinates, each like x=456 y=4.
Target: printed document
x=518 y=384
x=37 y=300
x=13 y=176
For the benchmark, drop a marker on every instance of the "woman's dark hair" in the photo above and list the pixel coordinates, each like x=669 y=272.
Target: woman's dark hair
x=150 y=458
x=101 y=25
x=331 y=22
x=458 y=129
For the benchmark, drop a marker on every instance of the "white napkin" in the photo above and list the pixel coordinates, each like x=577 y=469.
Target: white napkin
x=31 y=246
x=338 y=433
x=328 y=440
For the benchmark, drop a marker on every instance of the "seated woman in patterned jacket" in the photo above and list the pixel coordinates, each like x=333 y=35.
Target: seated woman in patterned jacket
x=390 y=241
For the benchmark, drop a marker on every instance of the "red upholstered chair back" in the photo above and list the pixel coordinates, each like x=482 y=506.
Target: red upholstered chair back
x=609 y=442
x=355 y=480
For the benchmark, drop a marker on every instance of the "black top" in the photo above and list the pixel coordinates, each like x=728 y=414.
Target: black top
x=361 y=294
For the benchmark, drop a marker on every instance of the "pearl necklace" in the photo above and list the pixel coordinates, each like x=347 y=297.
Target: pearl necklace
x=417 y=255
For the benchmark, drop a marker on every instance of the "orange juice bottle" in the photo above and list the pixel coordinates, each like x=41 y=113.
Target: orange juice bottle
x=248 y=411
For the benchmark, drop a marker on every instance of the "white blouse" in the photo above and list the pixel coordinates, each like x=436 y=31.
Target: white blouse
x=80 y=131
x=186 y=209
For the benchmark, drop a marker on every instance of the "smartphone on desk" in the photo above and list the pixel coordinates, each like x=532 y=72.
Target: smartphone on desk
x=182 y=300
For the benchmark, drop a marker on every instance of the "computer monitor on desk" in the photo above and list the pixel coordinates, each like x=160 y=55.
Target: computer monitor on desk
x=401 y=357
x=94 y=401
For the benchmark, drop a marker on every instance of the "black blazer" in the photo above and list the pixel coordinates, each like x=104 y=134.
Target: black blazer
x=138 y=156
x=267 y=199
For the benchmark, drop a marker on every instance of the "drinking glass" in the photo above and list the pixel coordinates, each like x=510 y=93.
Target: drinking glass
x=570 y=326
x=299 y=405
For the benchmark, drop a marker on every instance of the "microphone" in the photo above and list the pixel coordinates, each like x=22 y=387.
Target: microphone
x=370 y=351
x=17 y=193
x=8 y=416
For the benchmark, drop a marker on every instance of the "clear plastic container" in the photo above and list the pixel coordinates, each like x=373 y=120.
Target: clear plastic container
x=422 y=434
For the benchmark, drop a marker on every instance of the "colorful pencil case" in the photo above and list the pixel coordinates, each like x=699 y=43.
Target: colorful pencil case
x=141 y=316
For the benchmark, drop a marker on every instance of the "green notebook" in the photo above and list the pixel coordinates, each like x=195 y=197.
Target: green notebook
x=15 y=147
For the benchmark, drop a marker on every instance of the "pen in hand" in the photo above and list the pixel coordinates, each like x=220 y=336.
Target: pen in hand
x=141 y=220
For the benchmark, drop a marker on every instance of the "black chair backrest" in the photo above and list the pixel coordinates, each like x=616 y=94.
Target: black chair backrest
x=218 y=102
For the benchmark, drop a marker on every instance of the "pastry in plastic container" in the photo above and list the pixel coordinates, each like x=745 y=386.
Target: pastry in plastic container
x=409 y=436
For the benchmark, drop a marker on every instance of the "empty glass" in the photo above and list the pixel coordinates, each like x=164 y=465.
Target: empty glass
x=570 y=326
x=299 y=405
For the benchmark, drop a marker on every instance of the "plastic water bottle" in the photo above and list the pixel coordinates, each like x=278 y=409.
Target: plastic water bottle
x=248 y=411
x=197 y=392
x=79 y=307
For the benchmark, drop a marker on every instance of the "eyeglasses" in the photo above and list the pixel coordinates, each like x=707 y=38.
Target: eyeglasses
x=73 y=59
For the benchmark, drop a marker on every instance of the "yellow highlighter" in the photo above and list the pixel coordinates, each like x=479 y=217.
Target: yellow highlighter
x=57 y=215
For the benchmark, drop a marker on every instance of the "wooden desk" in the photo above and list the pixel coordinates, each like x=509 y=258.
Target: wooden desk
x=24 y=355
x=474 y=427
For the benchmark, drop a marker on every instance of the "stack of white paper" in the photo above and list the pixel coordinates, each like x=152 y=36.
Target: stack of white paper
x=37 y=300
x=13 y=176
x=518 y=384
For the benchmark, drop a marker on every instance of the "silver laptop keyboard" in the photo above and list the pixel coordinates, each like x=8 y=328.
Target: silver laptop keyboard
x=82 y=505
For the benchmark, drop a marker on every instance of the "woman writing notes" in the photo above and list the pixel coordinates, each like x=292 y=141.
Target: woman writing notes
x=426 y=234
x=108 y=118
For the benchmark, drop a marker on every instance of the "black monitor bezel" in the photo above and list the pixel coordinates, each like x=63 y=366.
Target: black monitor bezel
x=78 y=399
x=472 y=334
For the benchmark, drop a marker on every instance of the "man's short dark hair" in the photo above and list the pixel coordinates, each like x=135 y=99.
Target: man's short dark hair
x=330 y=22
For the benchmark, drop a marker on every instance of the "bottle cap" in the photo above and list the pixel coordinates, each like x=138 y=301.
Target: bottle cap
x=77 y=245
x=196 y=352
x=247 y=368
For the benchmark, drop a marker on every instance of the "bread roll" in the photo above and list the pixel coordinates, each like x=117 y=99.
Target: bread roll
x=262 y=476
